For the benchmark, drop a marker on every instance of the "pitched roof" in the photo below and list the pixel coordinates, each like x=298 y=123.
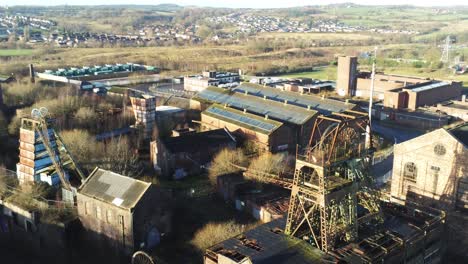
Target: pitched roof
x=323 y=106
x=200 y=141
x=460 y=133
x=285 y=113
x=246 y=120
x=114 y=188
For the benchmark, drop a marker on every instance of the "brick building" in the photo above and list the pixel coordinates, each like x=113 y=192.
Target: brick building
x=177 y=157
x=346 y=79
x=122 y=213
x=267 y=134
x=433 y=169
x=422 y=94
x=383 y=83
x=144 y=109
x=296 y=111
x=458 y=109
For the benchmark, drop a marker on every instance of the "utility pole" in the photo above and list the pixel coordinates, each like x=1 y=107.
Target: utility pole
x=368 y=129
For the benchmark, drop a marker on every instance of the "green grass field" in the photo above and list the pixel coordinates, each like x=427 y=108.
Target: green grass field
x=329 y=73
x=15 y=52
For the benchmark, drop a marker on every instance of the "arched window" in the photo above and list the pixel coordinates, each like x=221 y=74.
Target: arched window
x=410 y=172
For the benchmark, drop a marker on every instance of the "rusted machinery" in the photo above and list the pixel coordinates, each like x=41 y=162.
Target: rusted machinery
x=331 y=178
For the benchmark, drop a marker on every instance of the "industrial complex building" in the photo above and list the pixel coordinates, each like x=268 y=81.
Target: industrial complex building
x=431 y=169
x=42 y=152
x=295 y=111
x=346 y=77
x=457 y=109
x=198 y=83
x=268 y=134
x=120 y=212
x=100 y=77
x=144 y=108
x=406 y=235
x=186 y=154
x=398 y=92
x=422 y=94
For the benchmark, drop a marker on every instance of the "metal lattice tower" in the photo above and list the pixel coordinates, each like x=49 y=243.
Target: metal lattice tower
x=330 y=181
x=445 y=58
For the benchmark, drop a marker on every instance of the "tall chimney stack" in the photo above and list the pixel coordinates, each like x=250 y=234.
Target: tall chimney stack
x=31 y=73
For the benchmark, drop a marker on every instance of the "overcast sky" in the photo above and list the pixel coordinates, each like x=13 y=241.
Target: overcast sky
x=236 y=3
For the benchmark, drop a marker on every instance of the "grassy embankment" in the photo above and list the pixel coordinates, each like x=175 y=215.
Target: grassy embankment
x=16 y=52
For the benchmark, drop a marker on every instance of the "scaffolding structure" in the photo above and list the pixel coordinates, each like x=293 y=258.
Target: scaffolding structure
x=330 y=181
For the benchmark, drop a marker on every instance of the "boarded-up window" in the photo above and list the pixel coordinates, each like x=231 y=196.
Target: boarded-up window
x=87 y=208
x=410 y=172
x=98 y=213
x=109 y=216
x=435 y=178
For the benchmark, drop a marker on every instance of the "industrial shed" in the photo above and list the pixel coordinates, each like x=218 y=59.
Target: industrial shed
x=320 y=104
x=299 y=119
x=267 y=134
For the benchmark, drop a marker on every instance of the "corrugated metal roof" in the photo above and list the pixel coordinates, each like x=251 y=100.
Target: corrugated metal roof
x=427 y=86
x=114 y=188
x=323 y=106
x=246 y=120
x=275 y=110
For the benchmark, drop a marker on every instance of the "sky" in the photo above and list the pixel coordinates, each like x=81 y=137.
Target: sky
x=235 y=3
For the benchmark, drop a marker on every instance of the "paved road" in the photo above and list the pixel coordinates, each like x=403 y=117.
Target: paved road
x=382 y=171
x=398 y=135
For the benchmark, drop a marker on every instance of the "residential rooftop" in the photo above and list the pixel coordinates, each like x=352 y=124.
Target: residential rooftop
x=246 y=120
x=113 y=188
x=322 y=105
x=285 y=113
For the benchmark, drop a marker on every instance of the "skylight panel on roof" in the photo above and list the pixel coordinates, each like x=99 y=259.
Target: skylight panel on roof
x=117 y=201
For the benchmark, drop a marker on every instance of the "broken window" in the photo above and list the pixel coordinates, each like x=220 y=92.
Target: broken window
x=410 y=172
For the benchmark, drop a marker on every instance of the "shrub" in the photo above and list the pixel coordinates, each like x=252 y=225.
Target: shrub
x=267 y=163
x=223 y=162
x=213 y=233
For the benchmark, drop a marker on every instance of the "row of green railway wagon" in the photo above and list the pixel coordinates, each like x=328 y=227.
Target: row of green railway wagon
x=98 y=70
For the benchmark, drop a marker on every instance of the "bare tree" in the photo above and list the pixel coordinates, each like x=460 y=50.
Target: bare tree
x=227 y=161
x=268 y=165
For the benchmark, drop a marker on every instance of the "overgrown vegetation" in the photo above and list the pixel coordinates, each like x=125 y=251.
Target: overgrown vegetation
x=116 y=155
x=213 y=233
x=223 y=162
